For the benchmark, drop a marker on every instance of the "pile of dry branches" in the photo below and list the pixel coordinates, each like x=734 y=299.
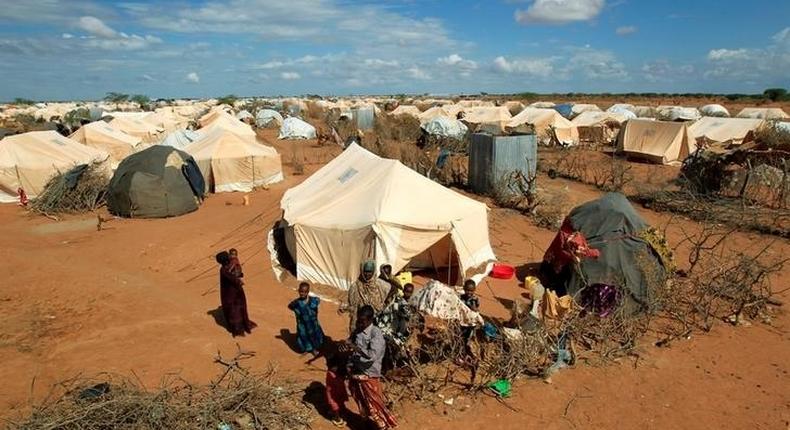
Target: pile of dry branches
x=81 y=189
x=238 y=398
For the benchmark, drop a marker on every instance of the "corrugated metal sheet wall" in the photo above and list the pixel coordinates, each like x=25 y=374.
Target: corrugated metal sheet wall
x=492 y=158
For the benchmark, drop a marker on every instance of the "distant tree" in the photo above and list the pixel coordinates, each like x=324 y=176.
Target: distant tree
x=775 y=94
x=20 y=101
x=227 y=100
x=116 y=97
x=141 y=100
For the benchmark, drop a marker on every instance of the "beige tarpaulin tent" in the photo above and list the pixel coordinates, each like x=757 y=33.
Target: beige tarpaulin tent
x=656 y=141
x=547 y=123
x=763 y=113
x=410 y=110
x=146 y=131
x=360 y=206
x=29 y=160
x=598 y=127
x=105 y=137
x=720 y=130
x=230 y=162
x=226 y=121
x=494 y=117
x=435 y=112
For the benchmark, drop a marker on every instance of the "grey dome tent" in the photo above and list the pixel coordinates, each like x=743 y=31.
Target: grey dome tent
x=158 y=182
x=613 y=230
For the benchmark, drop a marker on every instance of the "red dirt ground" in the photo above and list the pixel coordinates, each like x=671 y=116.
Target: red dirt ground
x=136 y=296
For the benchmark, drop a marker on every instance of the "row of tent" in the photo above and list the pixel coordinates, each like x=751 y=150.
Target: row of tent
x=225 y=150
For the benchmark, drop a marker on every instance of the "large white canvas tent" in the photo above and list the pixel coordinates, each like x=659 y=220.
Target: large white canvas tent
x=435 y=112
x=105 y=137
x=295 y=128
x=660 y=142
x=763 y=113
x=721 y=130
x=227 y=122
x=548 y=123
x=374 y=208
x=230 y=162
x=29 y=160
x=494 y=117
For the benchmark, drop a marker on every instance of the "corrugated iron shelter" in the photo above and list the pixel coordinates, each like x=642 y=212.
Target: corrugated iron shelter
x=365 y=116
x=492 y=158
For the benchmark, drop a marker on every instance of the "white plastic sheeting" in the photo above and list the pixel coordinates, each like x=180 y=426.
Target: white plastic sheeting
x=445 y=127
x=678 y=113
x=295 y=128
x=264 y=118
x=622 y=110
x=440 y=301
x=180 y=138
x=714 y=110
x=243 y=115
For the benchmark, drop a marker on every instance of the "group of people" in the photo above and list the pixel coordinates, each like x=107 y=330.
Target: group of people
x=380 y=320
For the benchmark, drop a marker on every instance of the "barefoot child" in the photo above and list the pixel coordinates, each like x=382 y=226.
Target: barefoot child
x=309 y=335
x=336 y=393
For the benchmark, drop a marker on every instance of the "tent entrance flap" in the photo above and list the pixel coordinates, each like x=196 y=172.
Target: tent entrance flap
x=440 y=261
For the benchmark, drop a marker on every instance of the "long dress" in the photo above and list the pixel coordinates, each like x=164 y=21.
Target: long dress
x=234 y=302
x=309 y=335
x=373 y=292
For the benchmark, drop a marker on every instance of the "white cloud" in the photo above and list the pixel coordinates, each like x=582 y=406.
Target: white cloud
x=455 y=60
x=290 y=76
x=193 y=77
x=147 y=77
x=625 y=30
x=767 y=65
x=96 y=27
x=596 y=64
x=67 y=36
x=123 y=42
x=559 y=11
x=378 y=63
x=418 y=73
x=540 y=67
x=728 y=54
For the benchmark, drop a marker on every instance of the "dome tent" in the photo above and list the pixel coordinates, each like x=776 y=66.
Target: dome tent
x=295 y=128
x=616 y=252
x=445 y=127
x=158 y=182
x=268 y=118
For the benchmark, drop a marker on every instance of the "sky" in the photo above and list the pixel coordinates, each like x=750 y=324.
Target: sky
x=82 y=49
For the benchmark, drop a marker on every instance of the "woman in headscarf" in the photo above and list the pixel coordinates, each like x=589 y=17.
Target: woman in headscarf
x=367 y=290
x=232 y=297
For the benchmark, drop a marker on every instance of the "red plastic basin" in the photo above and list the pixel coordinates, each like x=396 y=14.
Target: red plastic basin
x=502 y=271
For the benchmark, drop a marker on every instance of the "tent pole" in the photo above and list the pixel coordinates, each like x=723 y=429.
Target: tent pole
x=449 y=259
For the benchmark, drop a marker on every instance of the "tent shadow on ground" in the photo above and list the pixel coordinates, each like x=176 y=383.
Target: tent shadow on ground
x=219 y=317
x=527 y=269
x=315 y=395
x=289 y=339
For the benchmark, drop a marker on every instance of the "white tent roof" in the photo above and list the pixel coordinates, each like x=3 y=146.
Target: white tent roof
x=724 y=129
x=180 y=138
x=371 y=206
x=445 y=127
x=230 y=162
x=591 y=118
x=406 y=110
x=714 y=110
x=295 y=128
x=678 y=113
x=29 y=160
x=264 y=117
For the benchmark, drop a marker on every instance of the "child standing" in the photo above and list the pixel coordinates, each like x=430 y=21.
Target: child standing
x=470 y=299
x=309 y=335
x=336 y=393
